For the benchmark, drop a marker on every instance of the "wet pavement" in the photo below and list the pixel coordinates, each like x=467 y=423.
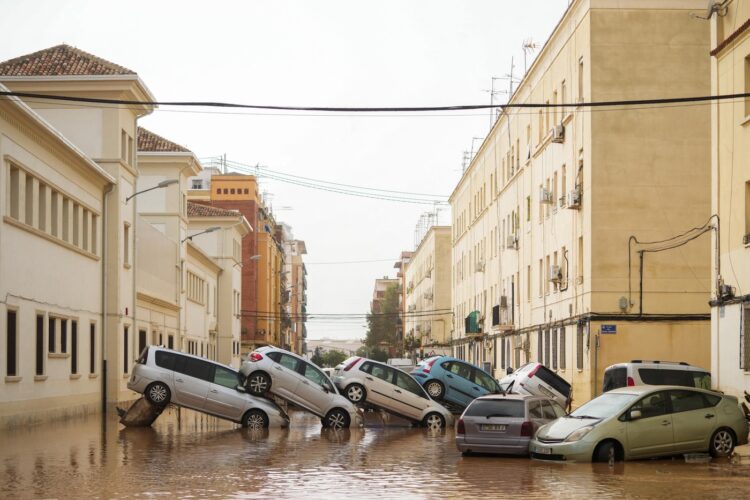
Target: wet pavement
x=200 y=456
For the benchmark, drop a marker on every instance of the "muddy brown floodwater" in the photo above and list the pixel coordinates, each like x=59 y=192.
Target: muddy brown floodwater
x=193 y=455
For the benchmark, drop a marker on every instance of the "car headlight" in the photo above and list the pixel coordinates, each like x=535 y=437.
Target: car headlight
x=579 y=434
x=540 y=431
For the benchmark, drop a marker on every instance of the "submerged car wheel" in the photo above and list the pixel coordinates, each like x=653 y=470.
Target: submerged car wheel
x=605 y=452
x=434 y=421
x=255 y=419
x=356 y=393
x=336 y=419
x=158 y=394
x=258 y=383
x=435 y=389
x=722 y=443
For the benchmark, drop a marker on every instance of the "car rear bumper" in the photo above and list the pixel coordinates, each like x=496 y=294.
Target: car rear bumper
x=516 y=446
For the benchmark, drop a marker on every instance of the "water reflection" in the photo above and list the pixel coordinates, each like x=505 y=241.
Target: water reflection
x=190 y=454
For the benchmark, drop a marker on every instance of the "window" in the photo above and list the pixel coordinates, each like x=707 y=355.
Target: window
x=74 y=347
x=11 y=326
x=541 y=278
x=126 y=244
x=196 y=288
x=546 y=347
x=123 y=145
x=288 y=361
x=196 y=184
x=125 y=349
x=63 y=335
x=29 y=212
x=579 y=346
x=580 y=259
x=407 y=383
x=196 y=368
x=42 y=208
x=51 y=334
x=652 y=405
x=563 y=354
x=563 y=97
x=535 y=410
x=225 y=377
x=381 y=372
x=170 y=342
x=461 y=369
x=503 y=407
x=15 y=187
x=548 y=411
x=483 y=380
x=39 y=344
x=554 y=349
x=314 y=375
x=165 y=359
x=540 y=346
x=580 y=79
x=502 y=354
x=92 y=348
x=687 y=401
x=141 y=340
x=218 y=190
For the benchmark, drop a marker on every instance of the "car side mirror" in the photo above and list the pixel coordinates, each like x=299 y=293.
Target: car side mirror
x=240 y=388
x=508 y=370
x=635 y=414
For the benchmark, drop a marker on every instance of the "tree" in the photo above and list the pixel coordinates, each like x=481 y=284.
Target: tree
x=333 y=358
x=383 y=326
x=317 y=357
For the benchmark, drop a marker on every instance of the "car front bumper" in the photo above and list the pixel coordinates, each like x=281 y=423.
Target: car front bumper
x=576 y=451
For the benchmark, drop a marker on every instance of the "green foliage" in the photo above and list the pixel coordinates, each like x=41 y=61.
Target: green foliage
x=333 y=358
x=317 y=357
x=382 y=327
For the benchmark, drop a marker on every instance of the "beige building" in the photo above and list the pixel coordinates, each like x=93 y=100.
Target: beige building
x=428 y=293
x=548 y=217
x=294 y=298
x=730 y=311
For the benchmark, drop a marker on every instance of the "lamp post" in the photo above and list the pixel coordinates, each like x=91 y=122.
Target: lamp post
x=161 y=185
x=250 y=259
x=209 y=230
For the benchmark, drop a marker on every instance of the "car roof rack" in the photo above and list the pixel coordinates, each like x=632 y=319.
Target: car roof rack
x=656 y=361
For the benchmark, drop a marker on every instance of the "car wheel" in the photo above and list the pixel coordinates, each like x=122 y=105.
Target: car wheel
x=158 y=394
x=434 y=421
x=255 y=419
x=356 y=393
x=435 y=389
x=258 y=383
x=336 y=419
x=722 y=443
x=606 y=452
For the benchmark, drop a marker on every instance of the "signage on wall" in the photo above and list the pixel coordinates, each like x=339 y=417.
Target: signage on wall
x=609 y=329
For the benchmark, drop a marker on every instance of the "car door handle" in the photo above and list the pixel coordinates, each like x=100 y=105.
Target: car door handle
x=665 y=423
x=306 y=382
x=475 y=388
x=180 y=380
x=278 y=368
x=368 y=378
x=396 y=390
x=214 y=391
x=449 y=376
x=709 y=415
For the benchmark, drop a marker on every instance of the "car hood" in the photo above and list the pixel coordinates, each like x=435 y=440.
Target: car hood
x=564 y=426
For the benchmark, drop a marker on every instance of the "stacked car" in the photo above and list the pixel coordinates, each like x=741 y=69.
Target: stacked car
x=454 y=381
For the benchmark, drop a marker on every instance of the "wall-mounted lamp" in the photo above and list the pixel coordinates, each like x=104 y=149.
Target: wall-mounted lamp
x=209 y=230
x=161 y=185
x=254 y=257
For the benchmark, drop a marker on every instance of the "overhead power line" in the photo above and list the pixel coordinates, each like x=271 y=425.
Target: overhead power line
x=369 y=109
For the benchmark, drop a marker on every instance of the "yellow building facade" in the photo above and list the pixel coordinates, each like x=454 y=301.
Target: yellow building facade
x=550 y=217
x=730 y=312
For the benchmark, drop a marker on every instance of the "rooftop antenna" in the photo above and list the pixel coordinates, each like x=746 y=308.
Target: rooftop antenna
x=713 y=6
x=494 y=113
x=528 y=47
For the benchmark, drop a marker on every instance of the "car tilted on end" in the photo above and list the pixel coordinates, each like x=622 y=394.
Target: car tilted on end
x=453 y=380
x=364 y=380
x=643 y=422
x=165 y=376
x=301 y=383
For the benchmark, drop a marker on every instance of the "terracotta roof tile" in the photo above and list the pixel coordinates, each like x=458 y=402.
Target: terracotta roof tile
x=199 y=210
x=61 y=60
x=154 y=143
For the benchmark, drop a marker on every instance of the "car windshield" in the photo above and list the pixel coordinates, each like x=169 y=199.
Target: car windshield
x=604 y=406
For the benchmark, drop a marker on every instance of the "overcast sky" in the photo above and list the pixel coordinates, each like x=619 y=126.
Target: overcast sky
x=313 y=53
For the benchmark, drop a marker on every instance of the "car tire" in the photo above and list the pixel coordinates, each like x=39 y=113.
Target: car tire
x=158 y=394
x=336 y=419
x=722 y=443
x=356 y=393
x=434 y=420
x=258 y=383
x=605 y=452
x=435 y=389
x=255 y=419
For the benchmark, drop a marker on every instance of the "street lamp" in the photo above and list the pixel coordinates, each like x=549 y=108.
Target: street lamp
x=254 y=257
x=161 y=185
x=209 y=230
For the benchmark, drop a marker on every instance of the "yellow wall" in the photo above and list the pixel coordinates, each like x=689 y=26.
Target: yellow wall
x=245 y=187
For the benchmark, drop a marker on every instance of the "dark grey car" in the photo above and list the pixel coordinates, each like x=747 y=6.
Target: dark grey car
x=504 y=424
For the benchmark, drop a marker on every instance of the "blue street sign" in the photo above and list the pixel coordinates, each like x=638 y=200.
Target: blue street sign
x=609 y=329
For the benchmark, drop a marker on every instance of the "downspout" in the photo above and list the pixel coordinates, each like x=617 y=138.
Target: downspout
x=105 y=261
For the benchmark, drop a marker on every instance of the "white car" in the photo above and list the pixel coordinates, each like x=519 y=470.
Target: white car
x=538 y=380
x=296 y=380
x=641 y=372
x=165 y=376
x=363 y=380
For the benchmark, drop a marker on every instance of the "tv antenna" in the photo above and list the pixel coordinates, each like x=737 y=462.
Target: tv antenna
x=528 y=47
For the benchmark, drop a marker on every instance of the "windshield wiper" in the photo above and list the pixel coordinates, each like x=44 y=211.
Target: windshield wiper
x=584 y=416
x=498 y=415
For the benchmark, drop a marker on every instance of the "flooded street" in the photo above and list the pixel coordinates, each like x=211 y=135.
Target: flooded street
x=200 y=456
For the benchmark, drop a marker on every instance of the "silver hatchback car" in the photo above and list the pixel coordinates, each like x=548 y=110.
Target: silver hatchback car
x=363 y=380
x=296 y=380
x=504 y=423
x=165 y=376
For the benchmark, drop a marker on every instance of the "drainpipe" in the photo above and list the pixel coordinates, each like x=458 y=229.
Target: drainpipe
x=105 y=261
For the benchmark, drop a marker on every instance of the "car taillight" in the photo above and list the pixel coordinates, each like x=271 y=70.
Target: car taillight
x=351 y=365
x=428 y=365
x=255 y=356
x=461 y=429
x=527 y=429
x=533 y=372
x=631 y=382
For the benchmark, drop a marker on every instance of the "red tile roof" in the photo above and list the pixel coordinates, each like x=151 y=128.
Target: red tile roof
x=154 y=143
x=61 y=60
x=199 y=210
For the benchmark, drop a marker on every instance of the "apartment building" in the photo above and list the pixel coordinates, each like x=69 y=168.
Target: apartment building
x=294 y=296
x=400 y=265
x=571 y=225
x=730 y=140
x=428 y=293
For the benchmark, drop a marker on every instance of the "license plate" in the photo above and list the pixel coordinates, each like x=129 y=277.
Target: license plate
x=544 y=451
x=492 y=427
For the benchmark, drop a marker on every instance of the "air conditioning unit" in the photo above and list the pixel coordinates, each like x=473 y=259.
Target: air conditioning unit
x=558 y=134
x=503 y=302
x=479 y=267
x=512 y=241
x=545 y=196
x=555 y=274
x=574 y=198
x=563 y=201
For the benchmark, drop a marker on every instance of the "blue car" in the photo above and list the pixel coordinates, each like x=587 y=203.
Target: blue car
x=452 y=380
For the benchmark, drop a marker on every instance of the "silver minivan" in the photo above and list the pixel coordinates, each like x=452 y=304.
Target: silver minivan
x=165 y=376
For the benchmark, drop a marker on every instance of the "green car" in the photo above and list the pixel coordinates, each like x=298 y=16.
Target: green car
x=643 y=422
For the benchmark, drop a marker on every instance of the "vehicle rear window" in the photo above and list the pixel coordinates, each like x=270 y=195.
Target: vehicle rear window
x=653 y=376
x=197 y=368
x=615 y=378
x=554 y=380
x=165 y=360
x=496 y=407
